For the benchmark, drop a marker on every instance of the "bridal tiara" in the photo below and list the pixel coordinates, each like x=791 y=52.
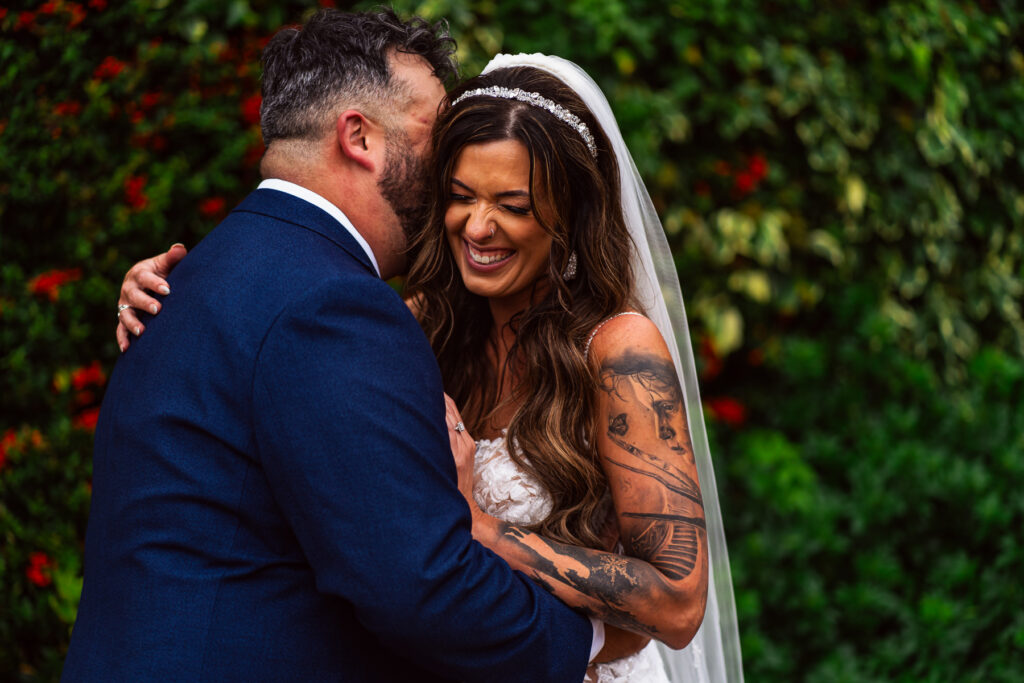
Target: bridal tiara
x=537 y=100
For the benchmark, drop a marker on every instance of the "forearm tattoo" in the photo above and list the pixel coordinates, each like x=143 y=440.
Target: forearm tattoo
x=612 y=583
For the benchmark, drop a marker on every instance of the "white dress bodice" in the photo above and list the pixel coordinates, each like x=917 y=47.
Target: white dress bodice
x=503 y=490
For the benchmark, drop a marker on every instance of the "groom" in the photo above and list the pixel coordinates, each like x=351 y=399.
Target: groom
x=274 y=497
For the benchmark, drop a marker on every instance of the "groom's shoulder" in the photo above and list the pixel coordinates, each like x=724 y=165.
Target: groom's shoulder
x=281 y=247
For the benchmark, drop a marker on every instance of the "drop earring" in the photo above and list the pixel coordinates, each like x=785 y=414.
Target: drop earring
x=570 y=269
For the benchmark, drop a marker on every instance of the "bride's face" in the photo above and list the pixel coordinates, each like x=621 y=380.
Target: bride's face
x=499 y=245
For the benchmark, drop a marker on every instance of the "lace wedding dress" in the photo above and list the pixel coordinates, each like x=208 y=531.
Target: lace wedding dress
x=503 y=490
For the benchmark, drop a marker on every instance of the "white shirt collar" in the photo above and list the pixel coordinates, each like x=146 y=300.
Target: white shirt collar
x=318 y=201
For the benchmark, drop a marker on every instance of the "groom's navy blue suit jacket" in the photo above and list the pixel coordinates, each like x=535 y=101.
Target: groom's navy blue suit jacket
x=274 y=498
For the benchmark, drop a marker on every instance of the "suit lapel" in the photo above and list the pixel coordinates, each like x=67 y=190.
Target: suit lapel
x=290 y=209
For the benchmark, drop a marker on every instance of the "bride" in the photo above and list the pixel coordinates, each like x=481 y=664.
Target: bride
x=544 y=283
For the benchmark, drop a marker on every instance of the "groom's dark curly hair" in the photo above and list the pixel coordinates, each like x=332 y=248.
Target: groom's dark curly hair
x=340 y=59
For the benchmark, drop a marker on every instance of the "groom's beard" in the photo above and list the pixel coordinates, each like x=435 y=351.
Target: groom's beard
x=403 y=185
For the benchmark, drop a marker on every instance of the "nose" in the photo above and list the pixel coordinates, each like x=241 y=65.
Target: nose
x=479 y=224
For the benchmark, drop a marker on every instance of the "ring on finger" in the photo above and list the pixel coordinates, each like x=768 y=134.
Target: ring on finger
x=460 y=427
x=121 y=308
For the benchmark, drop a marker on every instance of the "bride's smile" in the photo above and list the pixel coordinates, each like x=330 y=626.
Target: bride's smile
x=487 y=259
x=500 y=246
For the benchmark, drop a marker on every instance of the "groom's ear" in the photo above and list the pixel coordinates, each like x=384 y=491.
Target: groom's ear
x=359 y=139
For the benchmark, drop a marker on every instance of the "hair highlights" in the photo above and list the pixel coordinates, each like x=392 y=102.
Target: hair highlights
x=551 y=433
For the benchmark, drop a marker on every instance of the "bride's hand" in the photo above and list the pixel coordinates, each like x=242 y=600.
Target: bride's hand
x=145 y=275
x=464 y=450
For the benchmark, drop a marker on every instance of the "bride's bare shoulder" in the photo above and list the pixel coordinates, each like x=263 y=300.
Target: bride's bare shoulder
x=624 y=332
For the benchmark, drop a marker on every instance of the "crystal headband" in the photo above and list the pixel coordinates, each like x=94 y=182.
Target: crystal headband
x=537 y=100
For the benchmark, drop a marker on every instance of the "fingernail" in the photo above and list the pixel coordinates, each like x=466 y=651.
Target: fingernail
x=177 y=244
x=152 y=309
x=121 y=346
x=164 y=289
x=138 y=331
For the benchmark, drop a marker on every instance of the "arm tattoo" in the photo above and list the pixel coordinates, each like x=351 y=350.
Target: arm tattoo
x=653 y=379
x=670 y=476
x=609 y=580
x=618 y=425
x=669 y=542
x=695 y=521
x=669 y=538
x=676 y=552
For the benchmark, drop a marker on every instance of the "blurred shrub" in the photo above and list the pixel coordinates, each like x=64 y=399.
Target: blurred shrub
x=843 y=187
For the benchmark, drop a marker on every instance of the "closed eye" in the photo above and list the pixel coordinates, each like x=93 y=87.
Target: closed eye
x=518 y=210
x=456 y=197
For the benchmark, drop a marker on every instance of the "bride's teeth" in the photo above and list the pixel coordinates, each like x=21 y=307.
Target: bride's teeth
x=484 y=259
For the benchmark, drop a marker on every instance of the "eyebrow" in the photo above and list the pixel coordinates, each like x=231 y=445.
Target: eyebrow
x=507 y=193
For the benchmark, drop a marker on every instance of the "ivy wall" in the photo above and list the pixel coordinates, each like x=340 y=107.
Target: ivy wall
x=843 y=188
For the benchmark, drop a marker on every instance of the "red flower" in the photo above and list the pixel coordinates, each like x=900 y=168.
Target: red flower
x=3 y=13
x=38 y=570
x=108 y=68
x=77 y=14
x=251 y=109
x=134 y=196
x=6 y=444
x=87 y=419
x=25 y=20
x=744 y=183
x=728 y=410
x=758 y=166
x=708 y=354
x=48 y=8
x=50 y=282
x=69 y=108
x=254 y=154
x=212 y=206
x=150 y=100
x=98 y=5
x=87 y=376
x=328 y=3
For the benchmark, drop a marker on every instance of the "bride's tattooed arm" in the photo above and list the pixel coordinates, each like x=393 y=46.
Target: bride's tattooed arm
x=659 y=587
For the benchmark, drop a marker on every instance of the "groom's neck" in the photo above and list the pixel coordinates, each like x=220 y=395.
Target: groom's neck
x=349 y=187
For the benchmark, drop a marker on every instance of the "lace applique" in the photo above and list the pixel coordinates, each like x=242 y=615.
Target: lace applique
x=503 y=490
x=643 y=667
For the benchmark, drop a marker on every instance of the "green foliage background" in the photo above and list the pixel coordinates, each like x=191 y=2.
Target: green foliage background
x=843 y=187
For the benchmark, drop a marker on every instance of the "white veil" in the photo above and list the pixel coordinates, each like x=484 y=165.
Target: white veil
x=714 y=654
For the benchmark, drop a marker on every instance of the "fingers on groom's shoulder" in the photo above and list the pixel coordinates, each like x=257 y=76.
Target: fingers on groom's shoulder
x=165 y=262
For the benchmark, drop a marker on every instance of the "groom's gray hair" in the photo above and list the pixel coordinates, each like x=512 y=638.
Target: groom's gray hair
x=339 y=60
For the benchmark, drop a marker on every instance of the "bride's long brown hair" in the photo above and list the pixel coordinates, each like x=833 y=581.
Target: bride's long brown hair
x=553 y=428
